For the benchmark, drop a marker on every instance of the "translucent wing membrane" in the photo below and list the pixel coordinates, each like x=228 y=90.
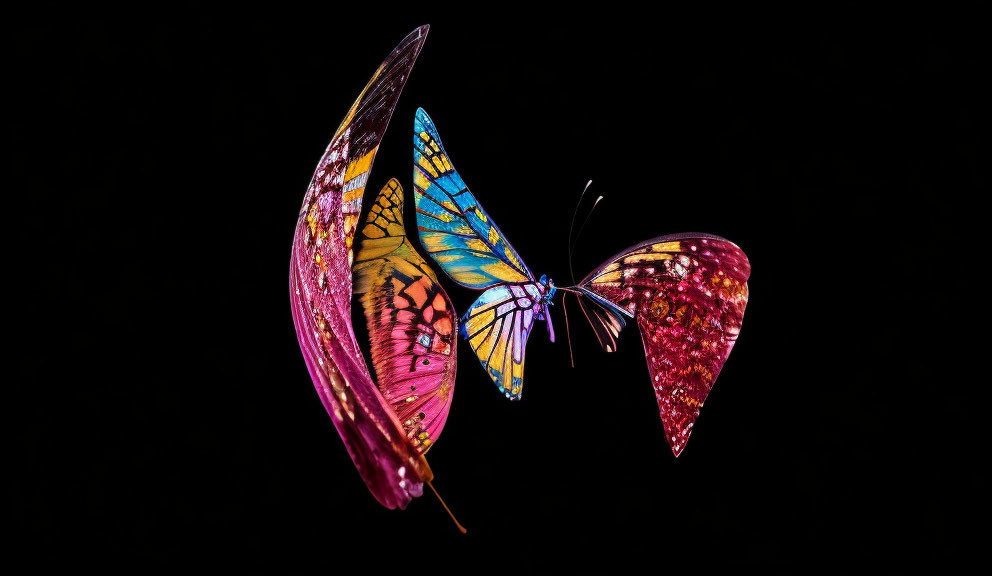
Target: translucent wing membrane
x=411 y=322
x=320 y=290
x=454 y=229
x=497 y=327
x=606 y=319
x=688 y=293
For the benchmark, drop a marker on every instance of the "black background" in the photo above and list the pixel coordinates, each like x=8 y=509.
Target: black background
x=161 y=409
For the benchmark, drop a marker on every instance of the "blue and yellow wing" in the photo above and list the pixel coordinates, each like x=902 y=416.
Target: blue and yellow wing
x=497 y=327
x=454 y=229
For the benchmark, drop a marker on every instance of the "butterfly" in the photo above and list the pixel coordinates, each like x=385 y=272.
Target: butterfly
x=687 y=293
x=469 y=247
x=321 y=284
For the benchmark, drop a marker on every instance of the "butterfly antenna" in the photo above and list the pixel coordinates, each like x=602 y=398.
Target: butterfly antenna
x=568 y=332
x=571 y=228
x=448 y=510
x=583 y=227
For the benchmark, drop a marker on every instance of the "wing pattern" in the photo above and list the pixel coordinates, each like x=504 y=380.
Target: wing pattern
x=688 y=293
x=411 y=322
x=497 y=327
x=454 y=229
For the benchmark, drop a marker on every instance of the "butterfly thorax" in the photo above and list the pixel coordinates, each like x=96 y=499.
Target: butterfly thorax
x=547 y=287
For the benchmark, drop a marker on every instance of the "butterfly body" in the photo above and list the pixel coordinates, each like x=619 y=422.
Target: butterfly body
x=465 y=242
x=687 y=293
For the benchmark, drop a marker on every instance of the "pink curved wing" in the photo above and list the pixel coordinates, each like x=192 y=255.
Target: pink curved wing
x=687 y=293
x=412 y=324
x=320 y=290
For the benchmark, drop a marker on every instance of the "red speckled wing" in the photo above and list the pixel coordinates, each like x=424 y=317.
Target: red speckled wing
x=411 y=321
x=687 y=293
x=320 y=290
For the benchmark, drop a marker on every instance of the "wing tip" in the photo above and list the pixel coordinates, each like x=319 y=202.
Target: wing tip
x=423 y=123
x=416 y=36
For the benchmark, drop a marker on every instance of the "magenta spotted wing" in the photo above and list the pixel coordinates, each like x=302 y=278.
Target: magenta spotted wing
x=687 y=293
